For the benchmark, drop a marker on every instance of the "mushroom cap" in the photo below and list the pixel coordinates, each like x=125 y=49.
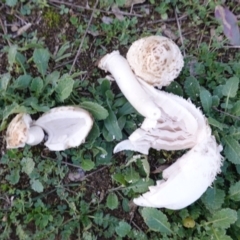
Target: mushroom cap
x=156 y=60
x=66 y=127
x=17 y=131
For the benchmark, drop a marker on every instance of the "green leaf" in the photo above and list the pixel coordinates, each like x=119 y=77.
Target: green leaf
x=206 y=99
x=123 y=229
x=213 y=198
x=22 y=82
x=95 y=109
x=36 y=85
x=223 y=218
x=230 y=88
x=64 y=87
x=41 y=58
x=36 y=185
x=112 y=126
x=4 y=81
x=131 y=175
x=112 y=201
x=175 y=88
x=141 y=185
x=118 y=177
x=216 y=123
x=192 y=87
x=235 y=132
x=234 y=192
x=27 y=165
x=11 y=3
x=126 y=109
x=87 y=164
x=219 y=234
x=156 y=220
x=232 y=149
x=12 y=52
x=14 y=176
x=236 y=109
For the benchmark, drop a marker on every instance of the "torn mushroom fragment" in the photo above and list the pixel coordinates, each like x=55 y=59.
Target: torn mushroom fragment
x=156 y=60
x=21 y=131
x=67 y=127
x=187 y=179
x=118 y=66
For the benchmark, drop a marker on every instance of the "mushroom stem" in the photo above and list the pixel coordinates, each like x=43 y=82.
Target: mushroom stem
x=118 y=66
x=35 y=135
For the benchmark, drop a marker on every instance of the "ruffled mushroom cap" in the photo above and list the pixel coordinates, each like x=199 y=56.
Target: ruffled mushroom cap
x=155 y=59
x=20 y=132
x=66 y=127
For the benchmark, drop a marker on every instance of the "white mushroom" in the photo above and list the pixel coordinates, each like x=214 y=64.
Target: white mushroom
x=66 y=127
x=156 y=60
x=187 y=179
x=129 y=85
x=20 y=132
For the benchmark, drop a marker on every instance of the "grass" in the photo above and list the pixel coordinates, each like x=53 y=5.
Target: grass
x=43 y=194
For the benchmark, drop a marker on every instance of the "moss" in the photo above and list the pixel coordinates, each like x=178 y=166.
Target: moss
x=51 y=18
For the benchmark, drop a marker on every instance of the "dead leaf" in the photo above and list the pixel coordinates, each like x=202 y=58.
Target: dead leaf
x=230 y=25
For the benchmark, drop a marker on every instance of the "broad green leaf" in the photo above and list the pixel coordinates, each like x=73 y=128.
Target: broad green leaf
x=41 y=58
x=36 y=85
x=12 y=52
x=141 y=185
x=22 y=82
x=192 y=87
x=27 y=165
x=95 y=109
x=232 y=149
x=112 y=201
x=36 y=185
x=11 y=3
x=206 y=99
x=234 y=192
x=64 y=87
x=230 y=88
x=219 y=234
x=156 y=220
x=216 y=123
x=235 y=132
x=112 y=126
x=126 y=109
x=94 y=134
x=118 y=177
x=131 y=176
x=87 y=164
x=175 y=88
x=52 y=79
x=123 y=229
x=223 y=218
x=4 y=81
x=236 y=109
x=213 y=198
x=14 y=176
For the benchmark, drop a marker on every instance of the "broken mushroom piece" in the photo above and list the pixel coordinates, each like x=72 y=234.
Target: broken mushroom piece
x=67 y=127
x=187 y=179
x=118 y=66
x=20 y=132
x=156 y=60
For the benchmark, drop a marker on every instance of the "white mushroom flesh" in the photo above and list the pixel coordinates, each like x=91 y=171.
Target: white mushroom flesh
x=187 y=179
x=35 y=135
x=129 y=85
x=66 y=127
x=155 y=59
